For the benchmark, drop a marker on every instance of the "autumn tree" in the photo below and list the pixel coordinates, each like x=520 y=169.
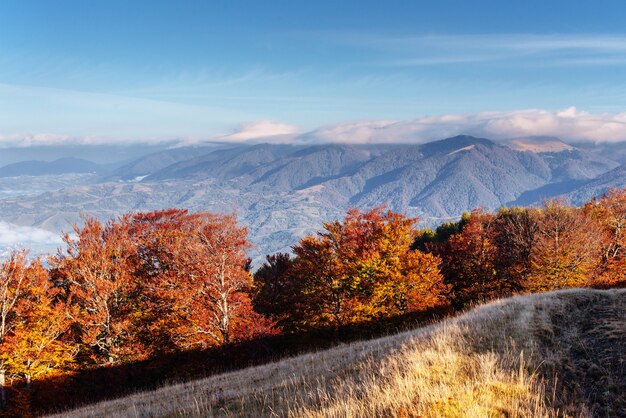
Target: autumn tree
x=609 y=212
x=161 y=237
x=220 y=309
x=468 y=259
x=516 y=231
x=426 y=239
x=363 y=268
x=36 y=347
x=324 y=290
x=33 y=323
x=197 y=284
x=97 y=275
x=12 y=289
x=276 y=288
x=567 y=248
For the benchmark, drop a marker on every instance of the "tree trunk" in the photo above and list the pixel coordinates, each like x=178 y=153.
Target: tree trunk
x=3 y=393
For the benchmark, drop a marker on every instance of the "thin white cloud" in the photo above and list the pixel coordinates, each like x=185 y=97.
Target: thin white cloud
x=569 y=124
x=354 y=132
x=51 y=139
x=266 y=129
x=524 y=42
x=43 y=139
x=528 y=49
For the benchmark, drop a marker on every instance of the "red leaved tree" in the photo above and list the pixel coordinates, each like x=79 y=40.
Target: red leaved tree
x=96 y=272
x=468 y=259
x=609 y=212
x=197 y=283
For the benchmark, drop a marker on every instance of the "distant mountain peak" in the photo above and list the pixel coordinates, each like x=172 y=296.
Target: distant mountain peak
x=538 y=144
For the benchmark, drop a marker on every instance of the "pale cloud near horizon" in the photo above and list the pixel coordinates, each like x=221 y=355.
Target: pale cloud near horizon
x=58 y=115
x=42 y=139
x=568 y=124
x=39 y=240
x=51 y=139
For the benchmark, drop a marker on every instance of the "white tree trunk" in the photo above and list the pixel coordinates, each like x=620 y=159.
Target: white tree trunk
x=3 y=393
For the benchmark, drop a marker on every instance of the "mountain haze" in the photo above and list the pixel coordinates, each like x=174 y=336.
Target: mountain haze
x=42 y=168
x=283 y=191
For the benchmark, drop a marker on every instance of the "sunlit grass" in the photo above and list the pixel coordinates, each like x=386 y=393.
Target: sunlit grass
x=485 y=363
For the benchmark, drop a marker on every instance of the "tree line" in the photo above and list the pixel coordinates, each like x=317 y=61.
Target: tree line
x=167 y=281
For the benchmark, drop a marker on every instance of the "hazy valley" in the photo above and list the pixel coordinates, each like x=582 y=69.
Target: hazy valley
x=283 y=192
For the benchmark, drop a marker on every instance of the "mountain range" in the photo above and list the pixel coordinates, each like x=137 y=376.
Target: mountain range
x=284 y=191
x=42 y=168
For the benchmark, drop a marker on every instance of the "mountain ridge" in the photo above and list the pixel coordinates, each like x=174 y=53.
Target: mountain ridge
x=68 y=165
x=284 y=191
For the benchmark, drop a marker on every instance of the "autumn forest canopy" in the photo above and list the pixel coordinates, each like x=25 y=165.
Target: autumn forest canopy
x=150 y=284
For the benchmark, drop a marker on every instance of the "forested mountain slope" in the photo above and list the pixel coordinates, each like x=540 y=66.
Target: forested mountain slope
x=284 y=191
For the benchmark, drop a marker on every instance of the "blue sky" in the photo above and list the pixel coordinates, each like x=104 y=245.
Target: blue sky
x=161 y=69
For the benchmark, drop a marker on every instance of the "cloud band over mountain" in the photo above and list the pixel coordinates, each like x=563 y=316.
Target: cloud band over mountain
x=568 y=124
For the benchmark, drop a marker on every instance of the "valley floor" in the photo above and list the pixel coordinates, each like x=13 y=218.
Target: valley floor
x=552 y=354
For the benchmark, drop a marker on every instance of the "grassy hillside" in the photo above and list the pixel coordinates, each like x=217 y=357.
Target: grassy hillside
x=551 y=354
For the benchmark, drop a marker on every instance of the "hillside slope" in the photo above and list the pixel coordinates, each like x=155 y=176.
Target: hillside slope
x=550 y=354
x=615 y=178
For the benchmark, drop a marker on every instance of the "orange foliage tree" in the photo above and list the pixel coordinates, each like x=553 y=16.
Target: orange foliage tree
x=33 y=323
x=36 y=344
x=362 y=268
x=609 y=211
x=567 y=249
x=197 y=284
x=97 y=275
x=157 y=282
x=12 y=289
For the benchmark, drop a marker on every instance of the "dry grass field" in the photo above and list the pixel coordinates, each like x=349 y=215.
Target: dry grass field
x=551 y=354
